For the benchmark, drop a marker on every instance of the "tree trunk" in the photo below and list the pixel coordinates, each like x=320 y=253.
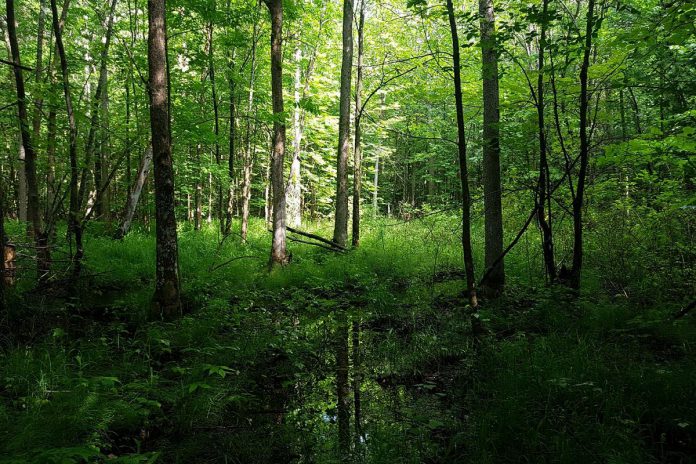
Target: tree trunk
x=134 y=194
x=216 y=113
x=278 y=250
x=74 y=226
x=357 y=380
x=21 y=191
x=232 y=149
x=33 y=212
x=461 y=138
x=341 y=220
x=578 y=202
x=167 y=302
x=491 y=150
x=375 y=186
x=198 y=196
x=357 y=149
x=2 y=246
x=38 y=72
x=342 y=386
x=248 y=156
x=294 y=192
x=544 y=185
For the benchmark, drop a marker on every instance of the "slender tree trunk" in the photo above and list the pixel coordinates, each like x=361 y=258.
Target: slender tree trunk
x=375 y=181
x=216 y=113
x=74 y=226
x=341 y=220
x=38 y=72
x=357 y=381
x=375 y=187
x=248 y=155
x=342 y=386
x=491 y=150
x=357 y=148
x=232 y=148
x=578 y=203
x=134 y=194
x=294 y=192
x=543 y=186
x=21 y=191
x=278 y=249
x=33 y=211
x=167 y=302
x=2 y=245
x=461 y=138
x=198 y=196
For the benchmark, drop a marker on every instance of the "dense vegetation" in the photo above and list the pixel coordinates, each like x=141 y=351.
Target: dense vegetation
x=425 y=231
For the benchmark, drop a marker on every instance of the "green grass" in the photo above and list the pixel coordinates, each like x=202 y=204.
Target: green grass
x=247 y=374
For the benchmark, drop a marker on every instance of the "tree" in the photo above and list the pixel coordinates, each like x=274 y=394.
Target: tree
x=248 y=155
x=492 y=188
x=74 y=226
x=461 y=148
x=357 y=148
x=341 y=220
x=543 y=196
x=279 y=253
x=579 y=199
x=167 y=302
x=33 y=209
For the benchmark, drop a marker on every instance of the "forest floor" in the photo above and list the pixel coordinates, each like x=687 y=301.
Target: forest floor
x=247 y=375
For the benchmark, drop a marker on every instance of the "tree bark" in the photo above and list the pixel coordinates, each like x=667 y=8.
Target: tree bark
x=461 y=145
x=2 y=246
x=357 y=148
x=216 y=113
x=98 y=107
x=294 y=192
x=543 y=200
x=248 y=155
x=33 y=211
x=134 y=194
x=578 y=202
x=167 y=302
x=232 y=147
x=74 y=226
x=278 y=247
x=341 y=220
x=493 y=214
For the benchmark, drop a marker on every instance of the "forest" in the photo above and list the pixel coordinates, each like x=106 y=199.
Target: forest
x=348 y=231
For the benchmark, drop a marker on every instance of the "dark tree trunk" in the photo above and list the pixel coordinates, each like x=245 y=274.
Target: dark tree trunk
x=216 y=114
x=461 y=139
x=74 y=225
x=342 y=386
x=2 y=246
x=33 y=211
x=278 y=249
x=357 y=149
x=543 y=201
x=357 y=381
x=491 y=151
x=341 y=220
x=578 y=202
x=38 y=76
x=167 y=302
